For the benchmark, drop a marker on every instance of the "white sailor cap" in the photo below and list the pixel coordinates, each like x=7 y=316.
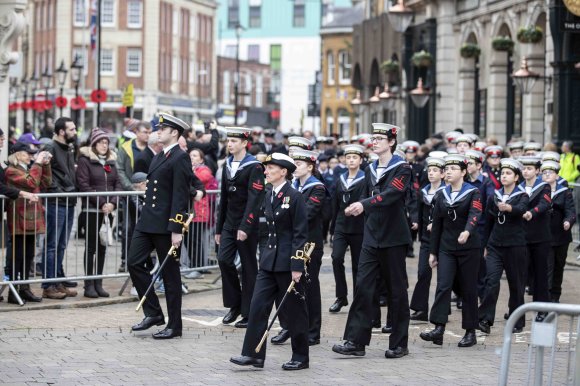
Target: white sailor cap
x=475 y=155
x=169 y=120
x=464 y=138
x=550 y=165
x=238 y=132
x=385 y=129
x=301 y=142
x=342 y=140
x=530 y=161
x=473 y=136
x=411 y=146
x=479 y=146
x=281 y=160
x=551 y=156
x=451 y=136
x=494 y=151
x=456 y=159
x=452 y=150
x=354 y=149
x=304 y=155
x=435 y=161
x=515 y=145
x=533 y=146
x=512 y=164
x=438 y=154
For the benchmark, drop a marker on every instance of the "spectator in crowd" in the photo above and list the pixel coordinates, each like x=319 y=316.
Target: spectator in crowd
x=569 y=163
x=129 y=132
x=203 y=220
x=97 y=172
x=209 y=145
x=143 y=160
x=60 y=211
x=26 y=218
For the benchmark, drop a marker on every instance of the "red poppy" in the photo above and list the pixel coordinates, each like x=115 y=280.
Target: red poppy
x=99 y=96
x=61 y=101
x=107 y=168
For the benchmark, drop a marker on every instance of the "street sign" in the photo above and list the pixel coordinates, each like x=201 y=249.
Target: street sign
x=128 y=96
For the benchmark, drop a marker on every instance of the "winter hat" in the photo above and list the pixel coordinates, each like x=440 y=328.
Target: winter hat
x=97 y=134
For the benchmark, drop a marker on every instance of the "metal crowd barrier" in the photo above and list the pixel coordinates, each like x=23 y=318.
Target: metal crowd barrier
x=198 y=247
x=545 y=335
x=576 y=227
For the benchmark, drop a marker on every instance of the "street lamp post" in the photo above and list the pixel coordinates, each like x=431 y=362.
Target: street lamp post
x=76 y=69
x=239 y=30
x=420 y=95
x=46 y=79
x=61 y=72
x=400 y=16
x=33 y=83
x=356 y=106
x=524 y=78
x=24 y=87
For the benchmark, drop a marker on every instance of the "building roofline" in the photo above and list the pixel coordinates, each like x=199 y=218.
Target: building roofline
x=335 y=30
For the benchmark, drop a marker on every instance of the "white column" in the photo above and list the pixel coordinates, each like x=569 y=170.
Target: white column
x=447 y=54
x=533 y=103
x=465 y=95
x=11 y=25
x=497 y=96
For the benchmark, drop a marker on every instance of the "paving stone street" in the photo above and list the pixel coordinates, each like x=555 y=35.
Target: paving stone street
x=94 y=345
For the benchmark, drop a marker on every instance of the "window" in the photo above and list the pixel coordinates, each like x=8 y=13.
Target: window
x=230 y=51
x=259 y=91
x=174 y=68
x=226 y=87
x=192 y=26
x=80 y=13
x=344 y=67
x=299 y=14
x=134 y=12
x=276 y=57
x=248 y=90
x=82 y=55
x=134 y=62
x=175 y=22
x=191 y=72
x=233 y=13
x=254 y=52
x=255 y=14
x=50 y=14
x=108 y=13
x=107 y=62
x=330 y=68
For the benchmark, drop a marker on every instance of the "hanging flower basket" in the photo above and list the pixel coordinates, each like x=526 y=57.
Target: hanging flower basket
x=390 y=66
x=502 y=43
x=422 y=59
x=469 y=50
x=531 y=34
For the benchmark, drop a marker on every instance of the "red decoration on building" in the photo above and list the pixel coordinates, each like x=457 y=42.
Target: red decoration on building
x=78 y=103
x=99 y=96
x=61 y=101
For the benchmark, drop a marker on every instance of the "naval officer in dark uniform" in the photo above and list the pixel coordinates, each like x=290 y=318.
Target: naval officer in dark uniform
x=384 y=248
x=237 y=229
x=159 y=227
x=287 y=221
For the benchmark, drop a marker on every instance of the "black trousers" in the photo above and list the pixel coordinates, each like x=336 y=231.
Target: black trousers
x=142 y=245
x=558 y=259
x=513 y=260
x=461 y=265
x=313 y=300
x=420 y=298
x=234 y=294
x=94 y=251
x=482 y=265
x=340 y=243
x=538 y=258
x=24 y=249
x=391 y=263
x=270 y=286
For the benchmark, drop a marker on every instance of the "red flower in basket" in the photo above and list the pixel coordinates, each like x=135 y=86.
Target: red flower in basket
x=107 y=168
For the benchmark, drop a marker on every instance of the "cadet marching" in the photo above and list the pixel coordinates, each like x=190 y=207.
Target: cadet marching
x=478 y=210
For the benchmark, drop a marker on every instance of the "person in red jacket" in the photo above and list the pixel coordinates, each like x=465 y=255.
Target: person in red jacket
x=97 y=172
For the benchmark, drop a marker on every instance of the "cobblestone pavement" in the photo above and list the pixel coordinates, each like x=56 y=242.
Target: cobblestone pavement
x=95 y=346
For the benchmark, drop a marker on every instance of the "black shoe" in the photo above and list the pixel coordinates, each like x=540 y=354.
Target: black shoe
x=541 y=316
x=435 y=335
x=148 y=322
x=313 y=342
x=70 y=284
x=338 y=304
x=517 y=330
x=387 y=329
x=29 y=296
x=506 y=316
x=398 y=352
x=419 y=316
x=377 y=324
x=231 y=316
x=468 y=339
x=459 y=303
x=167 y=333
x=281 y=338
x=484 y=326
x=242 y=323
x=382 y=301
x=349 y=348
x=247 y=361
x=295 y=365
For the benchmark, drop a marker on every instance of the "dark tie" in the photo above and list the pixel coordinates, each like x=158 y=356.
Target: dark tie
x=273 y=194
x=167 y=154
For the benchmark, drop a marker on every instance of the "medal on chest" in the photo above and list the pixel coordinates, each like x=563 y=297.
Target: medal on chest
x=285 y=203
